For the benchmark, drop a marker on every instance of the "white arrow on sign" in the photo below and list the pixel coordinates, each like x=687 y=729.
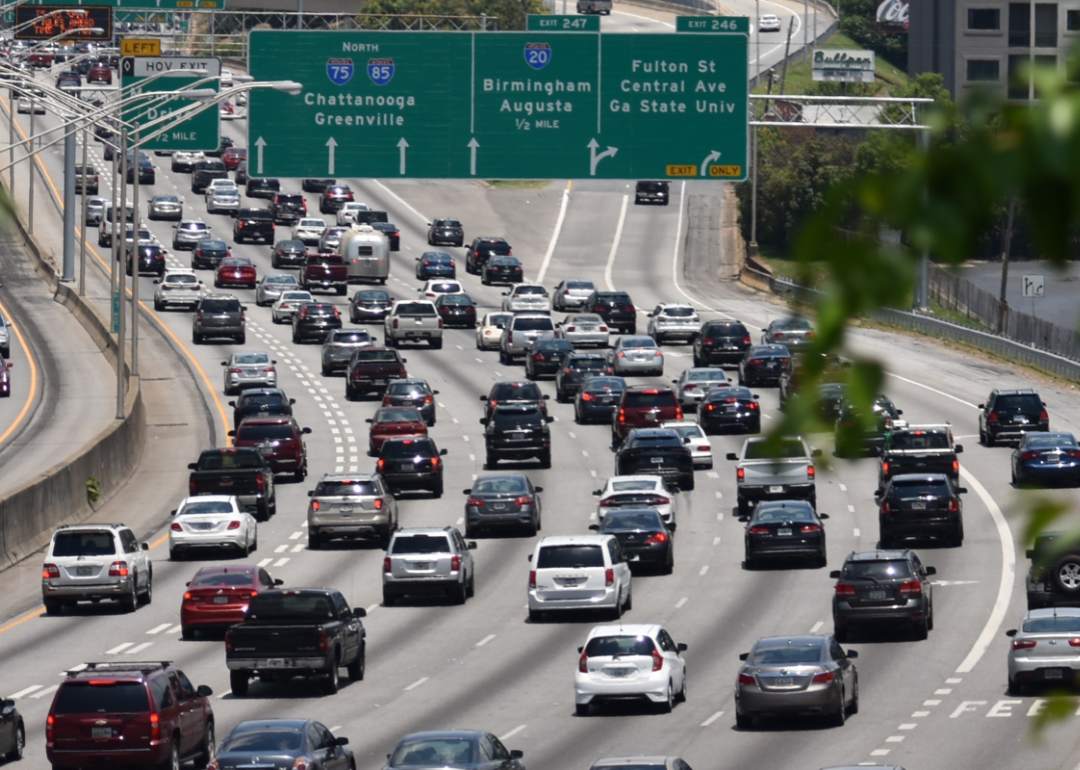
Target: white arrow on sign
x=402 y=144
x=259 y=144
x=473 y=144
x=595 y=157
x=331 y=144
x=714 y=155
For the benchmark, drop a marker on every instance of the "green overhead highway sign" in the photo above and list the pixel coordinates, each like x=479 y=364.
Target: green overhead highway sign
x=200 y=132
x=538 y=22
x=740 y=24
x=499 y=105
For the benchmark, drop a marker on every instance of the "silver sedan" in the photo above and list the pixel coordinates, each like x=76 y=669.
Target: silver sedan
x=584 y=330
x=636 y=354
x=249 y=369
x=1045 y=650
x=282 y=311
x=270 y=287
x=796 y=675
x=695 y=382
x=165 y=207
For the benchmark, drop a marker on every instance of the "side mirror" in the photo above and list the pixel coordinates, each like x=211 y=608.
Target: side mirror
x=173 y=512
x=597 y=492
x=959 y=448
x=686 y=440
x=243 y=308
x=224 y=363
x=442 y=452
x=815 y=453
x=516 y=754
x=483 y=398
x=835 y=574
x=467 y=491
x=899 y=411
x=157 y=281
x=549 y=419
x=273 y=362
x=483 y=421
x=682 y=647
x=732 y=456
x=192 y=466
x=404 y=360
x=547 y=397
x=369 y=420
x=823 y=515
x=204 y=691
x=852 y=654
x=981 y=406
x=538 y=490
x=472 y=545
x=434 y=392
x=359 y=612
x=962 y=490
x=744 y=656
x=279 y=582
x=744 y=519
x=232 y=434
x=594 y=527
x=877 y=495
x=311 y=493
x=232 y=403
x=529 y=557
x=1029 y=553
x=1011 y=632
x=146 y=546
x=292 y=401
x=931 y=570
x=342 y=740
x=305 y=431
x=756 y=397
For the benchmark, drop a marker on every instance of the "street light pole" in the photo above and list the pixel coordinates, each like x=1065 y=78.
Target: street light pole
x=82 y=230
x=30 y=168
x=135 y=257
x=119 y=235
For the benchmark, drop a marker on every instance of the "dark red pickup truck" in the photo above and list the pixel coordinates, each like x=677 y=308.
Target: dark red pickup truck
x=371 y=369
x=325 y=271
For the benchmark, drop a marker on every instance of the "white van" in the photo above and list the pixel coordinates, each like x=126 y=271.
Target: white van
x=367 y=254
x=578 y=572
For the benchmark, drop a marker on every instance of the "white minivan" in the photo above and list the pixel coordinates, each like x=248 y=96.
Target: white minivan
x=367 y=254
x=578 y=572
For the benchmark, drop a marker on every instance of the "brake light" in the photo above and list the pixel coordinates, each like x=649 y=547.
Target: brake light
x=191 y=485
x=386 y=565
x=1024 y=644
x=708 y=407
x=657 y=661
x=236 y=370
x=1074 y=642
x=378 y=504
x=754 y=362
x=155 y=727
x=50 y=571
x=1029 y=455
x=187 y=595
x=885 y=468
x=845 y=589
x=707 y=341
x=622 y=415
x=233 y=525
x=175 y=527
x=911 y=588
x=582 y=665
x=540 y=356
x=810 y=528
x=746 y=679
x=758 y=530
x=954 y=506
x=260 y=482
x=777 y=335
x=524 y=500
x=658 y=537
x=380 y=466
x=532 y=578
x=678 y=413
x=455 y=563
x=824 y=678
x=118 y=569
x=434 y=462
x=810 y=472
x=746 y=340
x=752 y=405
x=609 y=577
x=955 y=467
x=598 y=309
x=324 y=642
x=886 y=509
x=395 y=323
x=992 y=417
x=51 y=721
x=740 y=474
x=589 y=397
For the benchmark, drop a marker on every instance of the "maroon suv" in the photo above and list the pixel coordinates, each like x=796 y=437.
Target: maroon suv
x=129 y=715
x=643 y=406
x=280 y=441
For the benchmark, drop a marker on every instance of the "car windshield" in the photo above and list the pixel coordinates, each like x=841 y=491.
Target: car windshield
x=635 y=520
x=516 y=392
x=241 y=578
x=345 y=488
x=786 y=449
x=408 y=449
x=648 y=398
x=619 y=645
x=876 y=570
x=398 y=415
x=216 y=506
x=420 y=544
x=919 y=439
x=181 y=278
x=101 y=696
x=220 y=306
x=251 y=358
x=83 y=544
x=264 y=432
x=1052 y=625
x=439 y=752
x=267 y=741
x=791 y=654
x=1027 y=402
x=503 y=484
x=533 y=324
x=415 y=308
x=290 y=605
x=388 y=356
x=569 y=556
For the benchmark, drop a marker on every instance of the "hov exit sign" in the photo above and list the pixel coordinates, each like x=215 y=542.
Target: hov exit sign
x=199 y=132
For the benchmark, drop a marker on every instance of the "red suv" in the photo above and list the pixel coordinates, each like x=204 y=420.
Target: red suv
x=233 y=157
x=99 y=73
x=643 y=406
x=279 y=440
x=129 y=715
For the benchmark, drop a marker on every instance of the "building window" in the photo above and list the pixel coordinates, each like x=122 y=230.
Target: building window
x=1018 y=86
x=982 y=70
x=984 y=19
x=1019 y=25
x=1046 y=25
x=1072 y=21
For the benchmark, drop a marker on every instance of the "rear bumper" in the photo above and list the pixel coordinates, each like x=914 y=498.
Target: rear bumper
x=787 y=492
x=152 y=756
x=420 y=586
x=192 y=542
x=816 y=699
x=549 y=600
x=282 y=664
x=87 y=592
x=947 y=525
x=412 y=480
x=896 y=614
x=652 y=686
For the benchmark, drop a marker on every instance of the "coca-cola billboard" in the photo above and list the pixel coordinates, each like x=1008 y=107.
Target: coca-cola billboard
x=892 y=15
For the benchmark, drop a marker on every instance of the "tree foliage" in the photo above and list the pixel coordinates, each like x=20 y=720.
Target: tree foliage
x=510 y=13
x=858 y=20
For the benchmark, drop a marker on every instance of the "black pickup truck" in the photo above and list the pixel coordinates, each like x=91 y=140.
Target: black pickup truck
x=206 y=171
x=294 y=632
x=242 y=472
x=919 y=449
x=254 y=224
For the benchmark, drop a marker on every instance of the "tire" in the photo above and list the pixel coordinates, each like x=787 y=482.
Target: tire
x=173 y=761
x=922 y=630
x=436 y=344
x=148 y=594
x=130 y=602
x=841 y=634
x=157 y=306
x=356 y=668
x=187 y=634
x=438 y=490
x=16 y=752
x=1066 y=575
x=1015 y=688
x=262 y=510
x=238 y=683
x=669 y=704
x=459 y=594
x=854 y=707
x=582 y=709
x=209 y=748
x=332 y=682
x=680 y=696
x=491 y=462
x=503 y=358
x=470 y=588
x=53 y=607
x=545 y=460
x=536 y=616
x=688 y=486
x=241 y=340
x=745 y=509
x=744 y=721
x=839 y=718
x=930 y=617
x=325 y=371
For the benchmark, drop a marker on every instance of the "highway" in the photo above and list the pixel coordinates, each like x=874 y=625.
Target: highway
x=933 y=704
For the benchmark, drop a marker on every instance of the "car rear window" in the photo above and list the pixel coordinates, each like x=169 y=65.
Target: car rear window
x=290 y=199
x=240 y=578
x=420 y=544
x=376 y=296
x=182 y=278
x=408 y=449
x=1052 y=625
x=648 y=398
x=785 y=450
x=540 y=290
x=212 y=506
x=386 y=356
x=263 y=432
x=400 y=388
x=326 y=259
x=509 y=418
x=220 y=306
x=669 y=440
x=1020 y=403
x=636 y=519
x=398 y=415
x=915 y=487
x=788 y=513
x=1034 y=441
x=102 y=697
x=877 y=570
x=515 y=391
x=708 y=375
x=285 y=604
x=494 y=248
x=216 y=461
x=347 y=337
x=84 y=544
x=569 y=556
x=633 y=485
x=345 y=488
x=678 y=312
x=251 y=358
x=447 y=223
x=789 y=653
x=415 y=308
x=613 y=384
x=588 y=364
x=919 y=439
x=267 y=741
x=533 y=324
x=619 y=645
x=508 y=484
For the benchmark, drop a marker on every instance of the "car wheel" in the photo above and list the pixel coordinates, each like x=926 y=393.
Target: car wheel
x=1066 y=574
x=668 y=704
x=187 y=634
x=173 y=761
x=238 y=683
x=209 y=747
x=930 y=617
x=436 y=344
x=388 y=599
x=582 y=709
x=854 y=707
x=459 y=594
x=356 y=668
x=688 y=483
x=1015 y=688
x=839 y=718
x=148 y=594
x=669 y=565
x=921 y=630
x=536 y=616
x=129 y=602
x=503 y=357
x=748 y=562
x=744 y=721
x=157 y=306
x=491 y=462
x=20 y=744
x=332 y=682
x=989 y=440
x=545 y=460
x=438 y=490
x=53 y=607
x=840 y=633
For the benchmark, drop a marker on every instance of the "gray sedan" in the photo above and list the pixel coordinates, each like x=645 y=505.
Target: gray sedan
x=95 y=209
x=584 y=330
x=270 y=287
x=793 y=333
x=695 y=382
x=502 y=501
x=571 y=294
x=796 y=675
x=338 y=348
x=1044 y=649
x=636 y=354
x=331 y=239
x=249 y=369
x=167 y=207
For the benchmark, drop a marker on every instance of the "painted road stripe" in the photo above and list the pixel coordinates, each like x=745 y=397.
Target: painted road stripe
x=281 y=562
x=138 y=648
x=512 y=733
x=159 y=629
x=704 y=569
x=682 y=602
x=265 y=562
x=46 y=691
x=24 y=693
x=712 y=719
x=817 y=626
x=417 y=683
x=119 y=648
x=485 y=640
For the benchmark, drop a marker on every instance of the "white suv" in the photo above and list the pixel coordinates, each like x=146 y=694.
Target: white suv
x=91 y=562
x=527 y=298
x=179 y=286
x=579 y=572
x=422 y=561
x=638 y=661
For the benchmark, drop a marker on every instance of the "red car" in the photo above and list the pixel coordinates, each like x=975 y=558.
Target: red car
x=217 y=597
x=99 y=73
x=279 y=439
x=5 y=377
x=233 y=157
x=236 y=271
x=644 y=406
x=395 y=422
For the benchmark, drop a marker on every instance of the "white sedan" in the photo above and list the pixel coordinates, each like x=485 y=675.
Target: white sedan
x=584 y=329
x=346 y=215
x=769 y=22
x=309 y=230
x=282 y=311
x=637 y=492
x=433 y=289
x=700 y=448
x=630 y=660
x=211 y=522
x=489 y=331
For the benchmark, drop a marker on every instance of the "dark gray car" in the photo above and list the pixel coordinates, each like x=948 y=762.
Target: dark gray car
x=502 y=501
x=339 y=346
x=883 y=588
x=218 y=315
x=415 y=393
x=165 y=207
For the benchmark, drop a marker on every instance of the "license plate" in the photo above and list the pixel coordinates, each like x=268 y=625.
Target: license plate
x=784 y=532
x=221 y=600
x=84 y=571
x=619 y=672
x=378 y=382
x=731 y=409
x=421 y=565
x=101 y=732
x=878 y=595
x=776 y=490
x=731 y=347
x=1052 y=673
x=782 y=681
x=405 y=467
x=275 y=663
x=345 y=509
x=657 y=460
x=919 y=506
x=498 y=506
x=570 y=582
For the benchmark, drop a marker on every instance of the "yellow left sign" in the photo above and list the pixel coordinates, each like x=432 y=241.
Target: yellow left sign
x=140 y=47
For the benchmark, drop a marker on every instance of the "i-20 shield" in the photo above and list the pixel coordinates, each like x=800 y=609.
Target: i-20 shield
x=537 y=55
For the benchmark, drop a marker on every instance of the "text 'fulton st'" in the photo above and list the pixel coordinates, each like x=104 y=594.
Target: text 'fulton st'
x=660 y=78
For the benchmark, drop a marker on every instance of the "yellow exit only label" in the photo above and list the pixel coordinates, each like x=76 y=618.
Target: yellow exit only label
x=682 y=170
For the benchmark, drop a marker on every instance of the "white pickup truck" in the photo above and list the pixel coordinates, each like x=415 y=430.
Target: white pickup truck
x=413 y=320
x=767 y=473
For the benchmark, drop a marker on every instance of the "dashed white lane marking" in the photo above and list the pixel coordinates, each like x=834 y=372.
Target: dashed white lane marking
x=281 y=562
x=584 y=453
x=593 y=474
x=931 y=702
x=472 y=459
x=851 y=509
x=119 y=648
x=464 y=438
x=485 y=640
x=894 y=738
x=953 y=680
x=46 y=691
x=919 y=714
x=570 y=434
x=159 y=629
x=24 y=693
x=712 y=719
x=138 y=648
x=817 y=626
x=719 y=517
x=843 y=488
x=455 y=420
x=460 y=521
x=298 y=548
x=880 y=752
x=943 y=691
x=682 y=602
x=512 y=733
x=264 y=562
x=417 y=683
x=704 y=569
x=908 y=726
x=719 y=495
x=857 y=532
x=281 y=549
x=716 y=541
x=712 y=474
x=441 y=404
x=296 y=535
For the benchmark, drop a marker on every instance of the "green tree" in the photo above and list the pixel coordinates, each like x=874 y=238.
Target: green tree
x=510 y=14
x=858 y=20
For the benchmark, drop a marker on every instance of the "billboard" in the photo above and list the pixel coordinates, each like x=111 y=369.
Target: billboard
x=892 y=16
x=843 y=65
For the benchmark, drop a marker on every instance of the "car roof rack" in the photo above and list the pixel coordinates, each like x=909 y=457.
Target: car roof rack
x=145 y=666
x=91 y=525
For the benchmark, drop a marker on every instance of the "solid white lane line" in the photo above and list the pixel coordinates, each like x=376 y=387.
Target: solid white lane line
x=615 y=243
x=417 y=683
x=485 y=640
x=119 y=648
x=138 y=648
x=817 y=626
x=934 y=390
x=46 y=691
x=712 y=719
x=554 y=235
x=159 y=629
x=512 y=733
x=27 y=691
x=682 y=602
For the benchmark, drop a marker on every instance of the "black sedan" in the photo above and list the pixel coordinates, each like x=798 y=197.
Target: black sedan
x=284 y=743
x=456 y=310
x=445 y=231
x=411 y=463
x=412 y=392
x=506 y=270
x=151 y=260
x=500 y=502
x=391 y=231
x=314 y=321
x=575 y=369
x=785 y=529
x=597 y=399
x=288 y=254
x=369 y=306
x=453 y=749
x=12 y=732
x=544 y=357
x=764 y=364
x=657 y=452
x=261 y=402
x=642 y=533
x=730 y=409
x=1050 y=459
x=333 y=198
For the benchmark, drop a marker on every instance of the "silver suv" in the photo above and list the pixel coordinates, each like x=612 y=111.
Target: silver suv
x=421 y=561
x=91 y=562
x=188 y=234
x=521 y=330
x=351 y=506
x=339 y=346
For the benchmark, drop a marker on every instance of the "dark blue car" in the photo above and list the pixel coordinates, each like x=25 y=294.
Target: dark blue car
x=284 y=743
x=1048 y=459
x=435 y=264
x=597 y=399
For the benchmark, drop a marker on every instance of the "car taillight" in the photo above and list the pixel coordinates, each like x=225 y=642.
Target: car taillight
x=911 y=588
x=1074 y=642
x=746 y=679
x=474 y=502
x=1023 y=644
x=754 y=362
x=752 y=405
x=740 y=474
x=582 y=665
x=810 y=528
x=1029 y=455
x=235 y=370
x=233 y=525
x=51 y=721
x=622 y=415
x=657 y=661
x=609 y=577
x=810 y=472
x=678 y=413
x=455 y=563
x=324 y=641
x=532 y=578
x=440 y=323
x=155 y=727
x=198 y=316
x=658 y=537
x=777 y=335
x=118 y=569
x=191 y=486
x=386 y=565
x=260 y=482
x=824 y=677
x=380 y=466
x=175 y=527
x=708 y=407
x=1043 y=416
x=758 y=530
x=586 y=396
x=954 y=505
x=378 y=504
x=886 y=508
x=885 y=468
x=50 y=571
x=187 y=595
x=598 y=309
x=435 y=462
x=845 y=589
x=992 y=417
x=955 y=466
x=524 y=500
x=540 y=356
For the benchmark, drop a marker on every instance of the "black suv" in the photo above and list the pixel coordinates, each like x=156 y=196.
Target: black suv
x=516 y=394
x=482 y=249
x=288 y=254
x=1053 y=579
x=288 y=208
x=720 y=342
x=253 y=225
x=517 y=432
x=545 y=356
x=656 y=452
x=1008 y=414
x=920 y=505
x=258 y=187
x=206 y=171
x=315 y=320
x=576 y=368
x=333 y=198
x=261 y=402
x=882 y=588
x=652 y=192
x=411 y=463
x=615 y=307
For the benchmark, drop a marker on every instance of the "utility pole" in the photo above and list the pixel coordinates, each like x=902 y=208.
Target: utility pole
x=787 y=53
x=1005 y=250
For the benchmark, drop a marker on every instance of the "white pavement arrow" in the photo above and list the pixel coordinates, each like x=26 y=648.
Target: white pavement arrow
x=331 y=145
x=714 y=155
x=595 y=157
x=473 y=144
x=402 y=144
x=259 y=144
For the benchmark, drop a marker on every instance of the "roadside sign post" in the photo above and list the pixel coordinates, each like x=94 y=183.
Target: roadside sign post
x=1033 y=285
x=511 y=105
x=200 y=132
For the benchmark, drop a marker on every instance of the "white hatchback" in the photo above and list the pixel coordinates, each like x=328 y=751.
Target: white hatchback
x=283 y=310
x=637 y=492
x=214 y=522
x=578 y=572
x=700 y=448
x=527 y=298
x=630 y=661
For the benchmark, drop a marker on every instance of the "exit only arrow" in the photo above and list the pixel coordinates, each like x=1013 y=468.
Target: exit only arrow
x=595 y=158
